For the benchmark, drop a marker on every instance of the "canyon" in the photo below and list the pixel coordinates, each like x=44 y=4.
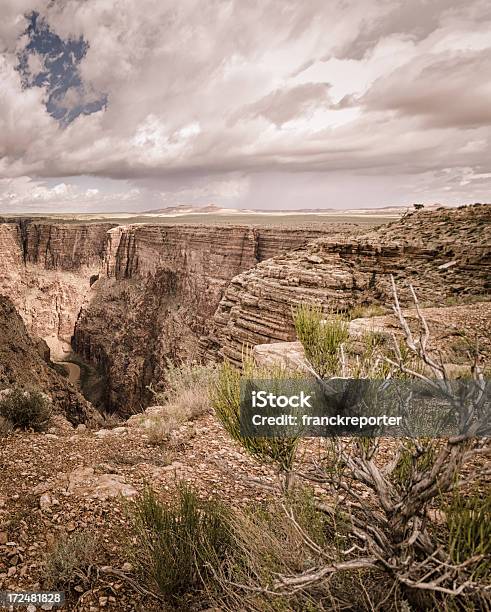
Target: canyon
x=127 y=299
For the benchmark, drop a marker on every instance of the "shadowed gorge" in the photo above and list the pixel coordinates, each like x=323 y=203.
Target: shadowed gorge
x=127 y=298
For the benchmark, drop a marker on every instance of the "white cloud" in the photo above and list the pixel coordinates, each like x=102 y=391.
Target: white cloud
x=209 y=93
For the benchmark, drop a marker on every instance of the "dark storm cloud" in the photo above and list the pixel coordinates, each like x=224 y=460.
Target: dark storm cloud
x=447 y=90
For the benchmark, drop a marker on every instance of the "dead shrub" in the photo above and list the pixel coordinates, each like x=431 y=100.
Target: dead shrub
x=70 y=559
x=160 y=429
x=185 y=398
x=110 y=420
x=186 y=388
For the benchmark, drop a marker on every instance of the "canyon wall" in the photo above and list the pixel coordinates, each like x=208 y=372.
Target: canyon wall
x=445 y=255
x=46 y=270
x=132 y=297
x=25 y=362
x=156 y=295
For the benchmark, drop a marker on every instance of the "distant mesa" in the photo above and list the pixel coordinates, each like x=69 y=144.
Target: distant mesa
x=213 y=209
x=187 y=209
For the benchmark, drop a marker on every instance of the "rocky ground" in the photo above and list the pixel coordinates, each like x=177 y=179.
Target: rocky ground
x=456 y=331
x=81 y=481
x=55 y=485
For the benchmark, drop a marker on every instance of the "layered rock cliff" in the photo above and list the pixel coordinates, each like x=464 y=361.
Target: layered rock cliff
x=46 y=270
x=132 y=297
x=444 y=254
x=158 y=290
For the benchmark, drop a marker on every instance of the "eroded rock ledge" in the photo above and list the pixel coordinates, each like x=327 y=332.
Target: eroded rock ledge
x=445 y=254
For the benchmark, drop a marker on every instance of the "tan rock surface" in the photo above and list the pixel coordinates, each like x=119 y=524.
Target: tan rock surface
x=21 y=364
x=338 y=274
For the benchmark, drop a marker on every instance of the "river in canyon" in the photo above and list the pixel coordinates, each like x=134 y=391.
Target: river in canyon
x=80 y=374
x=62 y=353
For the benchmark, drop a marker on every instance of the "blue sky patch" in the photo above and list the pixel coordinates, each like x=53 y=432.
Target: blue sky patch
x=67 y=96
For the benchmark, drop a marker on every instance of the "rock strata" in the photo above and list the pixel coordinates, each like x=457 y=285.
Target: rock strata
x=156 y=295
x=339 y=274
x=45 y=269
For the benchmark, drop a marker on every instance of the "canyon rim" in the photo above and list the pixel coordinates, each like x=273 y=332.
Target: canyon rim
x=202 y=199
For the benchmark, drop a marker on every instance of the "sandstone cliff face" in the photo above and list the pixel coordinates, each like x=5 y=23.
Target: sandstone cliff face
x=46 y=269
x=158 y=290
x=443 y=254
x=25 y=362
x=65 y=246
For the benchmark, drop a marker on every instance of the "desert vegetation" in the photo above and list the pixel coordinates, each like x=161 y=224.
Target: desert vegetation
x=24 y=409
x=371 y=523
x=184 y=397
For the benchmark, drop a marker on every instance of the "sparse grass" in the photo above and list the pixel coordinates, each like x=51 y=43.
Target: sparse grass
x=467 y=299
x=180 y=379
x=180 y=542
x=226 y=401
x=6 y=427
x=191 y=550
x=267 y=543
x=187 y=388
x=161 y=428
x=70 y=559
x=371 y=310
x=25 y=409
x=321 y=338
x=110 y=420
x=186 y=397
x=469 y=530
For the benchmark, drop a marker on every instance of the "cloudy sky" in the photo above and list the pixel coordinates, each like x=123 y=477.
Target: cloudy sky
x=120 y=105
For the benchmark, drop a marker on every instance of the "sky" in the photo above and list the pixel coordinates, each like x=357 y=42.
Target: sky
x=132 y=105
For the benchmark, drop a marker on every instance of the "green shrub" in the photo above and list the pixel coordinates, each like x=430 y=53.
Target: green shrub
x=321 y=339
x=25 y=409
x=469 y=525
x=226 y=402
x=180 y=542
